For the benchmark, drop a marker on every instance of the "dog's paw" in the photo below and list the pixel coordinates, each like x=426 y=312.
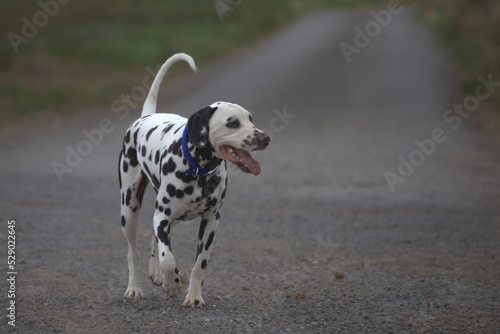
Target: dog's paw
x=193 y=299
x=155 y=274
x=171 y=285
x=156 y=279
x=171 y=291
x=133 y=293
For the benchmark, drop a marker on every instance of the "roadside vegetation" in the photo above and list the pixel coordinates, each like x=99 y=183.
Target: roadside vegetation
x=69 y=55
x=66 y=55
x=470 y=29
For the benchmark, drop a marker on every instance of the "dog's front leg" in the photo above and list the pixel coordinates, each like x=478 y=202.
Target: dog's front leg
x=170 y=274
x=206 y=236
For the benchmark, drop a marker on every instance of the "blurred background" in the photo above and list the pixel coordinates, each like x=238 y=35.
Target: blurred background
x=62 y=56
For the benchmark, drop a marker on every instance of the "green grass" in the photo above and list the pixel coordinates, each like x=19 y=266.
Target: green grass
x=92 y=51
x=470 y=30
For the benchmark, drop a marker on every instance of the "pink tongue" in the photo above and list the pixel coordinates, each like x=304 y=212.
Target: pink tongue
x=252 y=164
x=244 y=158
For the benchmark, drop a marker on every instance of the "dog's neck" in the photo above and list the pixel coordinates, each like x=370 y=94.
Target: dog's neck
x=203 y=157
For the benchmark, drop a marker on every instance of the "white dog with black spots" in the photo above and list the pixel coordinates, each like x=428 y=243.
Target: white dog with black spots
x=185 y=161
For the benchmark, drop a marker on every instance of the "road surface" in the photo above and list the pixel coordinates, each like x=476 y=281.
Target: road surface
x=377 y=209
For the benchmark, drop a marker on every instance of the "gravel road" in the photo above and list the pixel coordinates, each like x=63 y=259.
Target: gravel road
x=321 y=241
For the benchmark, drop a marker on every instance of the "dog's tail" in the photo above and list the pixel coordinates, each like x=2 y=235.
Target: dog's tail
x=150 y=103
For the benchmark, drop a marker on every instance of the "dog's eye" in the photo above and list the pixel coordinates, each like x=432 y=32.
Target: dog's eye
x=233 y=123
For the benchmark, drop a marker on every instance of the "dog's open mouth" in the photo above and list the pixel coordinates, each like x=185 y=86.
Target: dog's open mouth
x=241 y=158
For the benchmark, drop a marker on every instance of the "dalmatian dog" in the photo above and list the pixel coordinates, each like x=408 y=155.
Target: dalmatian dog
x=185 y=161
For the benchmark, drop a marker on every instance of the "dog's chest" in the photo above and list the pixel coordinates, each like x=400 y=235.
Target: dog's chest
x=158 y=140
x=201 y=196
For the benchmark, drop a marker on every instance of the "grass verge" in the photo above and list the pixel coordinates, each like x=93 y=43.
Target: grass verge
x=65 y=55
x=470 y=30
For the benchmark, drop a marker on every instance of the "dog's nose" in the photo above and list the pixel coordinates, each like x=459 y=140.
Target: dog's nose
x=263 y=140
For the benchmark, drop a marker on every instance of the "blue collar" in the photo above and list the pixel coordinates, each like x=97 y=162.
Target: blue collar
x=195 y=169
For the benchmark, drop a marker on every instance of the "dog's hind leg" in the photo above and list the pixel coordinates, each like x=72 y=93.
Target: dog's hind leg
x=133 y=183
x=154 y=262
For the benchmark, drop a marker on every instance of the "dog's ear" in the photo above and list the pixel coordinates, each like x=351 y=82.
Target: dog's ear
x=198 y=129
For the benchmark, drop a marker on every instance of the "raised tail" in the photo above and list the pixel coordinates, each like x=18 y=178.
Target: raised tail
x=150 y=103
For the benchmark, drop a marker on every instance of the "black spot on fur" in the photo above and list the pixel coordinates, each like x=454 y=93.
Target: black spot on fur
x=127 y=137
x=189 y=190
x=179 y=193
x=157 y=157
x=203 y=225
x=171 y=190
x=163 y=235
x=142 y=188
x=204 y=264
x=199 y=250
x=177 y=280
x=177 y=130
x=201 y=184
x=186 y=178
x=169 y=166
x=210 y=240
x=148 y=172
x=123 y=221
x=168 y=212
x=251 y=142
x=167 y=129
x=164 y=154
x=128 y=197
x=175 y=147
x=125 y=166
x=155 y=182
x=150 y=132
x=211 y=185
x=135 y=137
x=165 y=200
x=212 y=203
x=132 y=156
x=119 y=169
x=143 y=151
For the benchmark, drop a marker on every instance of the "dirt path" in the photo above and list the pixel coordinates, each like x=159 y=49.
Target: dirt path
x=423 y=258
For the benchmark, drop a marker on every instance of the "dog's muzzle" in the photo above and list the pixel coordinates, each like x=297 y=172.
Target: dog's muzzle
x=242 y=158
x=262 y=141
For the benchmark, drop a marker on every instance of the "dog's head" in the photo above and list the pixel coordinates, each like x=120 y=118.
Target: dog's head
x=229 y=129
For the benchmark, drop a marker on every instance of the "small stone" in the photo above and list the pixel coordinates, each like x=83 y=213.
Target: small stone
x=339 y=275
x=300 y=295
